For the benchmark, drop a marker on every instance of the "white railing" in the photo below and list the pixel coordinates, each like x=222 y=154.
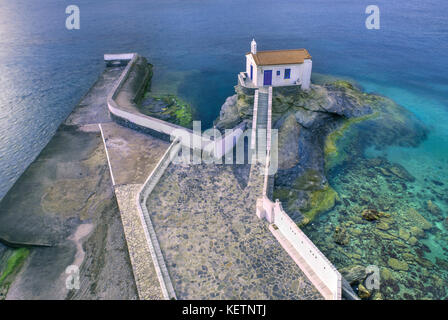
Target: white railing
x=320 y=265
x=269 y=124
x=274 y=213
x=268 y=144
x=254 y=122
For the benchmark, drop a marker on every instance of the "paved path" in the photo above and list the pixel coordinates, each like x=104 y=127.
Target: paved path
x=132 y=156
x=144 y=273
x=214 y=245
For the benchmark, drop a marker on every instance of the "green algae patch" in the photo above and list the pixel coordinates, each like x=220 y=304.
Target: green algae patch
x=343 y=84
x=282 y=194
x=320 y=201
x=398 y=265
x=169 y=108
x=13 y=265
x=310 y=180
x=330 y=148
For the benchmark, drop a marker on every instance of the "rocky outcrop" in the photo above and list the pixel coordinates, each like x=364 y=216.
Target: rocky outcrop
x=310 y=124
x=229 y=114
x=371 y=214
x=354 y=274
x=288 y=140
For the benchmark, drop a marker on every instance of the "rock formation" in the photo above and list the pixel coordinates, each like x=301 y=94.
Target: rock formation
x=309 y=125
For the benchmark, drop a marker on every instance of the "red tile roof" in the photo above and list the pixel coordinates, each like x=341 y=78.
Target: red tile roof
x=275 y=57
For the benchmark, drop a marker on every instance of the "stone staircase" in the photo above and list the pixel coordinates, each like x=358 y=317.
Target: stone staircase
x=262 y=118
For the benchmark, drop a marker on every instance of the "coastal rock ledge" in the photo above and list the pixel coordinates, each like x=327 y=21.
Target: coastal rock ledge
x=309 y=125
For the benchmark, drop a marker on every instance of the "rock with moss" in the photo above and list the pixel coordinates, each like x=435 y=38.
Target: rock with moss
x=354 y=274
x=363 y=293
x=398 y=265
x=168 y=108
x=10 y=269
x=319 y=129
x=418 y=220
x=340 y=236
x=321 y=200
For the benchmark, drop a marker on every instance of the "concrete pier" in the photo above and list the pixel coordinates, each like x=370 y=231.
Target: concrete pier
x=132 y=156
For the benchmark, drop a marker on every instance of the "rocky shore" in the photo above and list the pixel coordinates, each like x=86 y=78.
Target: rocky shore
x=309 y=124
x=359 y=210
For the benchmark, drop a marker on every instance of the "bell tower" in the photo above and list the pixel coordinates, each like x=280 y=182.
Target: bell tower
x=253 y=47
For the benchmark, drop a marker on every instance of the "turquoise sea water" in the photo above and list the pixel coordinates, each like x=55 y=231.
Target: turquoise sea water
x=198 y=48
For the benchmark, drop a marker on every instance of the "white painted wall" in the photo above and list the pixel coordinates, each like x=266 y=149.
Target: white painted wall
x=306 y=75
x=274 y=214
x=250 y=61
x=306 y=248
x=300 y=72
x=118 y=56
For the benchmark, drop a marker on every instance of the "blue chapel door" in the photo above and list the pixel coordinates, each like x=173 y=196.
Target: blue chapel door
x=267 y=78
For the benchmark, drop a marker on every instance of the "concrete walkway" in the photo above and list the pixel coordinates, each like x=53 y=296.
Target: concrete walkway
x=132 y=156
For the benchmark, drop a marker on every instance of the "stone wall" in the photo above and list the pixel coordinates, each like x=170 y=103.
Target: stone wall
x=151 y=237
x=122 y=101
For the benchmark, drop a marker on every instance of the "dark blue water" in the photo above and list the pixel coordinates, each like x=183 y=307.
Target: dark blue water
x=198 y=48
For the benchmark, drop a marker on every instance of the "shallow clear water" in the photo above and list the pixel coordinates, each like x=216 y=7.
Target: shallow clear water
x=198 y=48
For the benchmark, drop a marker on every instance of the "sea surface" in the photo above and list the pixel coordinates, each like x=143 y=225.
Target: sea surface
x=198 y=47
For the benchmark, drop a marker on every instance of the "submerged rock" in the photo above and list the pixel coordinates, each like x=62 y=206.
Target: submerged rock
x=401 y=173
x=354 y=274
x=363 y=293
x=386 y=274
x=403 y=234
x=371 y=214
x=377 y=296
x=418 y=220
x=412 y=240
x=417 y=232
x=433 y=208
x=383 y=226
x=340 y=236
x=397 y=264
